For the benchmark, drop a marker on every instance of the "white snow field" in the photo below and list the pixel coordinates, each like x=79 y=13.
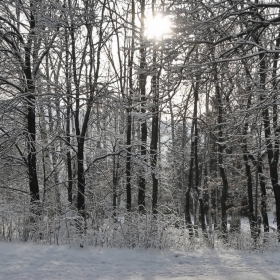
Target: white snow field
x=33 y=261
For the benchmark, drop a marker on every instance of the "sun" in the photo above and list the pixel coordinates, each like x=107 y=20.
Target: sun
x=157 y=26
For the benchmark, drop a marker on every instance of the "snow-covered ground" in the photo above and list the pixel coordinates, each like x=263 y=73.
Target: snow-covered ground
x=33 y=261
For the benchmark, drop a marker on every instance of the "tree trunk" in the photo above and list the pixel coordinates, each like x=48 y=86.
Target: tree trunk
x=191 y=167
x=144 y=130
x=155 y=129
x=115 y=182
x=197 y=173
x=128 y=162
x=263 y=197
x=129 y=111
x=31 y=120
x=68 y=118
x=188 y=215
x=252 y=218
x=220 y=154
x=32 y=160
x=81 y=177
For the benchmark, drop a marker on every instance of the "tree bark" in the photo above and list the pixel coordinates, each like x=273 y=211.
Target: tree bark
x=129 y=111
x=155 y=126
x=196 y=163
x=144 y=130
x=31 y=115
x=252 y=218
x=220 y=154
x=68 y=118
x=81 y=177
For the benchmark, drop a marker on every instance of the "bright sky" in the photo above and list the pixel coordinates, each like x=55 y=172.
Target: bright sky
x=157 y=26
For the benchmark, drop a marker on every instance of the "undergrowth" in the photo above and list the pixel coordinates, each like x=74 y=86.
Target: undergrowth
x=128 y=230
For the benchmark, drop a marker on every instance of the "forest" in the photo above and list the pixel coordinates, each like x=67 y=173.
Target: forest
x=117 y=131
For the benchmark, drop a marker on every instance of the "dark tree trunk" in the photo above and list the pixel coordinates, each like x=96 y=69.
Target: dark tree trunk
x=252 y=218
x=31 y=120
x=188 y=215
x=80 y=138
x=276 y=185
x=115 y=182
x=154 y=165
x=70 y=177
x=142 y=180
x=189 y=187
x=191 y=170
x=221 y=147
x=129 y=111
x=68 y=118
x=263 y=199
x=250 y=195
x=155 y=132
x=32 y=170
x=154 y=151
x=128 y=162
x=81 y=177
x=197 y=173
x=144 y=131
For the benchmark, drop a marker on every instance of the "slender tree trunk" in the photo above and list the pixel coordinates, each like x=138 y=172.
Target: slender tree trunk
x=155 y=126
x=207 y=191
x=115 y=181
x=183 y=172
x=129 y=111
x=276 y=186
x=188 y=215
x=221 y=147
x=144 y=130
x=191 y=167
x=31 y=116
x=128 y=161
x=263 y=197
x=32 y=158
x=68 y=118
x=153 y=152
x=46 y=156
x=155 y=182
x=252 y=218
x=250 y=195
x=80 y=138
x=196 y=163
x=81 y=177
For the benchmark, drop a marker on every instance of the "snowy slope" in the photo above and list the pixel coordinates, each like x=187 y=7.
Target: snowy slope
x=33 y=261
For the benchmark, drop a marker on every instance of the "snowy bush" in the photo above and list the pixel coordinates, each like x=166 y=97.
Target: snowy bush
x=126 y=230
